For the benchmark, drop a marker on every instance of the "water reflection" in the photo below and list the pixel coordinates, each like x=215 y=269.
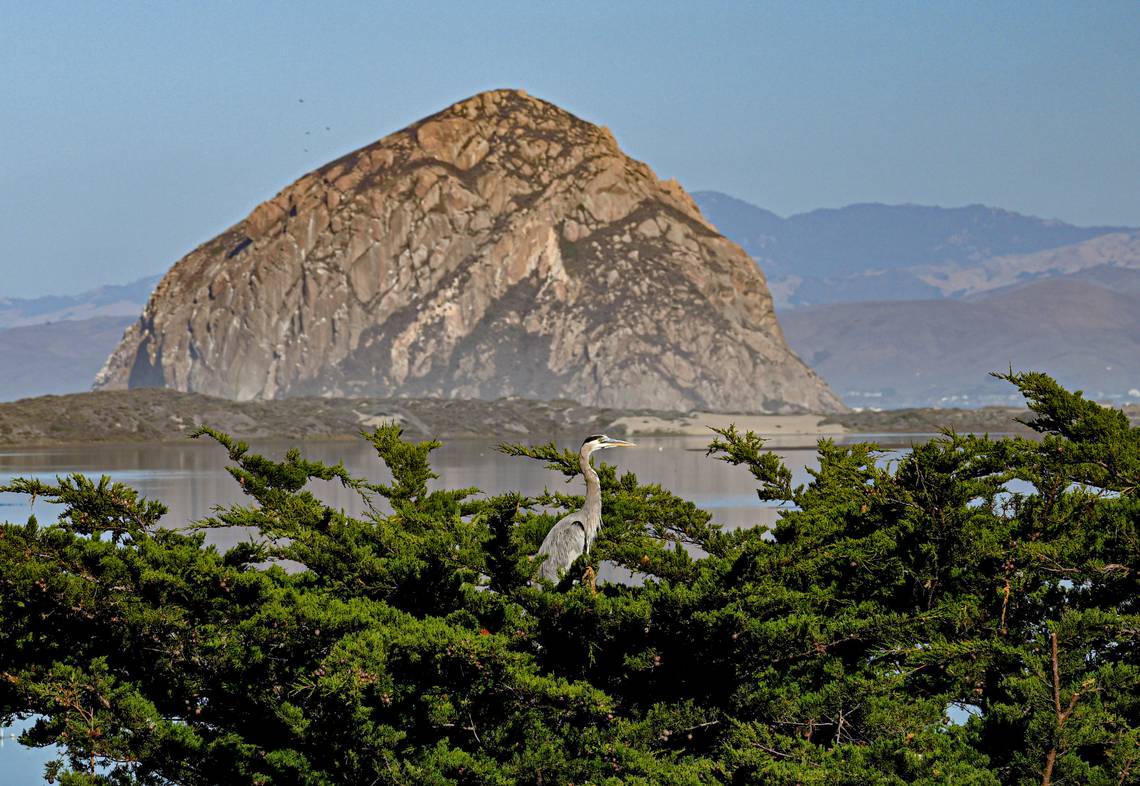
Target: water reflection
x=190 y=478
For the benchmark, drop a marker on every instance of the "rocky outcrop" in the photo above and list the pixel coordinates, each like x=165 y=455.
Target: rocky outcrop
x=502 y=247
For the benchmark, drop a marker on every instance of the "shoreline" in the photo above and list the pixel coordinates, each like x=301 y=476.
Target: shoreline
x=165 y=416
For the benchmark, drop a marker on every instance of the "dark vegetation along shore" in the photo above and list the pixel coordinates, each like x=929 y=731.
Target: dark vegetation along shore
x=154 y=415
x=919 y=621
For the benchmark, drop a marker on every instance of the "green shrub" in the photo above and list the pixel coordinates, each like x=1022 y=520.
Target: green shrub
x=994 y=580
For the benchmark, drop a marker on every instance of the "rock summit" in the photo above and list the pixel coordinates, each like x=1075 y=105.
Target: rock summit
x=502 y=247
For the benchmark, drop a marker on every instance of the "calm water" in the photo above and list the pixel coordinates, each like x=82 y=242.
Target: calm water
x=191 y=478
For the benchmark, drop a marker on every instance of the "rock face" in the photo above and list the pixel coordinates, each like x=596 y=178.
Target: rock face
x=502 y=247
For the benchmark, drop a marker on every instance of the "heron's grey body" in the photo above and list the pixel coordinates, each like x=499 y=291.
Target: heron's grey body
x=574 y=533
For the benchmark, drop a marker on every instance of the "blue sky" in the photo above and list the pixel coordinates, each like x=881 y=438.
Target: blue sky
x=131 y=132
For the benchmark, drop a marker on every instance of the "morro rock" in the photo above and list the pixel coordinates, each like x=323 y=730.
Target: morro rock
x=502 y=247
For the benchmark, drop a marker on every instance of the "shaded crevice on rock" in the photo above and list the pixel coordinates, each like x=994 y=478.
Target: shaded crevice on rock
x=146 y=372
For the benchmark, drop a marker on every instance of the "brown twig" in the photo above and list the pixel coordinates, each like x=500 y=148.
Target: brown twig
x=589 y=578
x=1051 y=756
x=1124 y=772
x=1062 y=714
x=704 y=725
x=772 y=751
x=1005 y=607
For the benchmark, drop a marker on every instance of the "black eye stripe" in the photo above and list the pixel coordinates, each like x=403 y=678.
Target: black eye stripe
x=593 y=437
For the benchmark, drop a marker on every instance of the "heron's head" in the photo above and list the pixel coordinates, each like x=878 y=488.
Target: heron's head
x=601 y=442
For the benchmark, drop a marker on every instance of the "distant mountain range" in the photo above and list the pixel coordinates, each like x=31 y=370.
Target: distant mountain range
x=56 y=357
x=115 y=300
x=938 y=352
x=903 y=252
x=904 y=305
x=57 y=343
x=893 y=305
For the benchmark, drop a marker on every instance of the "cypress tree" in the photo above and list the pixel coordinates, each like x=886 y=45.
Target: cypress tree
x=964 y=614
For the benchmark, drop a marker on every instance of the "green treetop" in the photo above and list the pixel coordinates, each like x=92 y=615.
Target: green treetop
x=964 y=614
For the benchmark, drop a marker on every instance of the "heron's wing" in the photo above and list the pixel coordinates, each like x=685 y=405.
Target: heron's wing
x=574 y=517
x=563 y=544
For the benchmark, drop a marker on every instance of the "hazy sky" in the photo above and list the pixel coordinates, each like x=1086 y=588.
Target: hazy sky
x=131 y=132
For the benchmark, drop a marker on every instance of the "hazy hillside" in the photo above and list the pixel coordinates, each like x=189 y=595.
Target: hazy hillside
x=58 y=357
x=900 y=252
x=1096 y=259
x=1118 y=279
x=904 y=305
x=57 y=343
x=938 y=352
x=116 y=300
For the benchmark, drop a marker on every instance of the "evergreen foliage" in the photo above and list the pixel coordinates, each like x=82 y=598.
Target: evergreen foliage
x=965 y=614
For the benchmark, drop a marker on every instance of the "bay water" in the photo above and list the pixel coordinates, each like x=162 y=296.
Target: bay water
x=190 y=478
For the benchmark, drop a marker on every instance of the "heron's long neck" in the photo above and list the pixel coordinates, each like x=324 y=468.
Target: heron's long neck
x=593 y=507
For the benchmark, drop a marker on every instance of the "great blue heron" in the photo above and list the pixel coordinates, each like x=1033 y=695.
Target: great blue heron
x=574 y=533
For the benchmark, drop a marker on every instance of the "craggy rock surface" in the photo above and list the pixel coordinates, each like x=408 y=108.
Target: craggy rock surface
x=502 y=247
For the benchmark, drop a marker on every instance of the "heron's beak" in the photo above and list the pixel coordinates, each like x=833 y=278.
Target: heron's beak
x=620 y=443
